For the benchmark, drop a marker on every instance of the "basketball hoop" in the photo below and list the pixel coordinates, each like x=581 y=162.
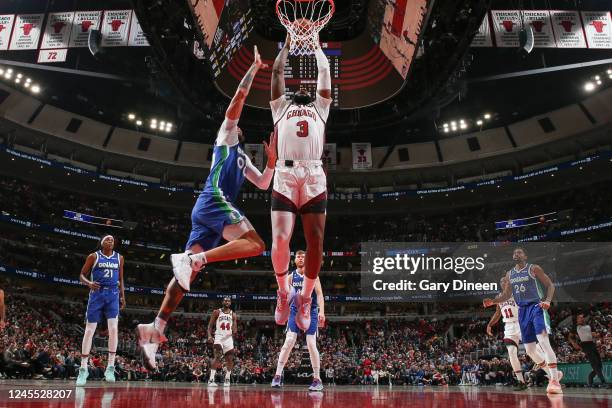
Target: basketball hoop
x=303 y=20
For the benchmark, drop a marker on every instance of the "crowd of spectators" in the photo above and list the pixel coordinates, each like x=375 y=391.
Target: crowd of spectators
x=42 y=340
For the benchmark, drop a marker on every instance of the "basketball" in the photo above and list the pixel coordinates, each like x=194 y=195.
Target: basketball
x=305 y=203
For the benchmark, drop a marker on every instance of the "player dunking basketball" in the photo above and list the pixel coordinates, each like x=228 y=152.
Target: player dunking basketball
x=215 y=216
x=508 y=311
x=527 y=285
x=300 y=183
x=106 y=295
x=225 y=323
x=317 y=319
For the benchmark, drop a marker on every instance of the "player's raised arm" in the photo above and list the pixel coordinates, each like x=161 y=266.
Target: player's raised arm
x=278 y=71
x=235 y=324
x=121 y=286
x=262 y=181
x=211 y=325
x=539 y=274
x=494 y=319
x=324 y=88
x=234 y=109
x=505 y=295
x=320 y=302
x=86 y=269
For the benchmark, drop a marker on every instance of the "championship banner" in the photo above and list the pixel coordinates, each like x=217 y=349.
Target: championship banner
x=362 y=156
x=26 y=32
x=539 y=20
x=84 y=22
x=137 y=35
x=51 y=56
x=6 y=27
x=483 y=36
x=57 y=30
x=256 y=154
x=115 y=28
x=506 y=24
x=598 y=28
x=568 y=29
x=329 y=156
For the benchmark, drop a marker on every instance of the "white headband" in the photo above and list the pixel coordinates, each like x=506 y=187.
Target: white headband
x=107 y=236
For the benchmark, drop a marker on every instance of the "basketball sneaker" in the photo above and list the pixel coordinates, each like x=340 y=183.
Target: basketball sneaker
x=276 y=381
x=316 y=385
x=227 y=382
x=109 y=374
x=149 y=339
x=302 y=318
x=281 y=314
x=554 y=386
x=212 y=383
x=82 y=378
x=182 y=268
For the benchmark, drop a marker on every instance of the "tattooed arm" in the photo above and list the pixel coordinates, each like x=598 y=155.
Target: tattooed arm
x=235 y=108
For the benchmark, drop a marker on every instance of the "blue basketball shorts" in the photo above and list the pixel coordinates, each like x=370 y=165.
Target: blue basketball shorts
x=533 y=321
x=103 y=303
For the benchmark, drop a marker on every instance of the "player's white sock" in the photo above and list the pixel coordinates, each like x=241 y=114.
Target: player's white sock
x=200 y=257
x=532 y=352
x=113 y=339
x=213 y=372
x=90 y=329
x=551 y=357
x=315 y=358
x=308 y=286
x=285 y=351
x=515 y=363
x=160 y=324
x=228 y=374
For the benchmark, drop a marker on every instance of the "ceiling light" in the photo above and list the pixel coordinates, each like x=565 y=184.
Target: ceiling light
x=453 y=123
x=479 y=122
x=17 y=80
x=153 y=125
x=27 y=84
x=597 y=77
x=445 y=130
x=446 y=125
x=1 y=71
x=131 y=116
x=10 y=70
x=463 y=126
x=21 y=76
x=589 y=86
x=35 y=89
x=139 y=122
x=598 y=82
x=487 y=116
x=462 y=121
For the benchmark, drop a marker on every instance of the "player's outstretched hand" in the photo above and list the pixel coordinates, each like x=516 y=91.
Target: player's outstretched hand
x=545 y=305
x=258 y=62
x=271 y=150
x=487 y=302
x=321 y=320
x=122 y=302
x=489 y=330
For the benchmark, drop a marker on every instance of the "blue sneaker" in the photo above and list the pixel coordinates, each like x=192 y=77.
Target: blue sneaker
x=316 y=385
x=109 y=374
x=82 y=378
x=276 y=381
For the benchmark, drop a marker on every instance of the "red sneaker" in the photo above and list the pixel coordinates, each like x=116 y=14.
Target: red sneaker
x=281 y=314
x=302 y=318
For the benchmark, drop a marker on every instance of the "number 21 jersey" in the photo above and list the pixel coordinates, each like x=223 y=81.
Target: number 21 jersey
x=105 y=270
x=300 y=129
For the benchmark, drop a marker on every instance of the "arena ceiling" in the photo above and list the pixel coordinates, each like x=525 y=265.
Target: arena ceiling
x=445 y=82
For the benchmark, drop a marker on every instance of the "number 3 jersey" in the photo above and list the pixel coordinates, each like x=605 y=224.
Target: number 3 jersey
x=300 y=129
x=105 y=270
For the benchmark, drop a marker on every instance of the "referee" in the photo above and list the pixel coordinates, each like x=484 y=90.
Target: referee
x=588 y=346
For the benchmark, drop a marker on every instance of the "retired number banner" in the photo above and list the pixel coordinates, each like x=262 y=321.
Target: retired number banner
x=539 y=20
x=506 y=24
x=598 y=28
x=568 y=29
x=84 y=22
x=26 y=32
x=57 y=30
x=6 y=27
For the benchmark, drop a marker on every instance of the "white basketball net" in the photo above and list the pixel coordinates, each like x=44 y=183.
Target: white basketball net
x=303 y=20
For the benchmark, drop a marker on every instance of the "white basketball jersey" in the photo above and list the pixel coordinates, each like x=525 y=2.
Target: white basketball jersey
x=300 y=129
x=509 y=311
x=224 y=324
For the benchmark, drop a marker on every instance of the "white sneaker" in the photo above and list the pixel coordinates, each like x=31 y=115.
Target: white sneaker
x=226 y=383
x=149 y=339
x=212 y=384
x=181 y=266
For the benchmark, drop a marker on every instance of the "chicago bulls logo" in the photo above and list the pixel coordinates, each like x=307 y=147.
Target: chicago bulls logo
x=508 y=25
x=27 y=28
x=537 y=25
x=599 y=25
x=362 y=157
x=58 y=26
x=567 y=25
x=115 y=24
x=86 y=25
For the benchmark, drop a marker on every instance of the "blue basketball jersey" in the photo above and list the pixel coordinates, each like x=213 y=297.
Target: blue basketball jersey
x=105 y=270
x=227 y=172
x=298 y=282
x=525 y=286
